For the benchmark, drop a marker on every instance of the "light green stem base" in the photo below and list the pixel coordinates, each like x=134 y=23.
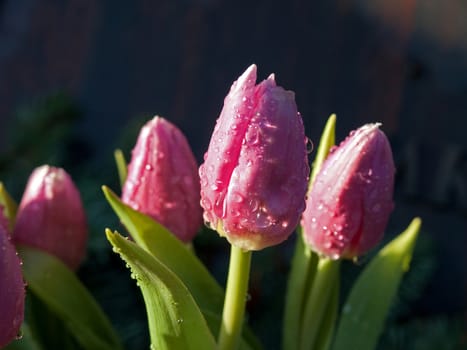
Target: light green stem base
x=235 y=299
x=326 y=277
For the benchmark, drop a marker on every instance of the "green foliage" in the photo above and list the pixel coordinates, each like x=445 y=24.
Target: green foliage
x=365 y=309
x=62 y=293
x=175 y=321
x=164 y=246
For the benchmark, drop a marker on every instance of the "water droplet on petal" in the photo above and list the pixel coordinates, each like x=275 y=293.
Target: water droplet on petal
x=309 y=145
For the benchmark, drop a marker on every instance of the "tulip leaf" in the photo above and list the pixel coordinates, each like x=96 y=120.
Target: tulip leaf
x=326 y=141
x=121 y=166
x=175 y=321
x=163 y=245
x=9 y=206
x=368 y=303
x=62 y=292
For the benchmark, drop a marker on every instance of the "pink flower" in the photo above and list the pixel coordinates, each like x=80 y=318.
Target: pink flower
x=12 y=292
x=351 y=199
x=163 y=179
x=3 y=220
x=51 y=216
x=254 y=176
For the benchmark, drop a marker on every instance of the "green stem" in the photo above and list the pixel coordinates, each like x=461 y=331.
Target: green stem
x=326 y=277
x=300 y=282
x=235 y=299
x=328 y=323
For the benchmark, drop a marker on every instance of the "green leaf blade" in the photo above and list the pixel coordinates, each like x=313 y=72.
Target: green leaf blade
x=9 y=206
x=365 y=310
x=175 y=321
x=58 y=288
x=162 y=244
x=121 y=164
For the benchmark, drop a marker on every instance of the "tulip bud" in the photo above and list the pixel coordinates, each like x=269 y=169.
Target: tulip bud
x=254 y=176
x=163 y=180
x=11 y=289
x=350 y=201
x=51 y=216
x=3 y=220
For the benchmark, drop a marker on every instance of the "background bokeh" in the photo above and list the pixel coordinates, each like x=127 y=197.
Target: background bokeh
x=79 y=77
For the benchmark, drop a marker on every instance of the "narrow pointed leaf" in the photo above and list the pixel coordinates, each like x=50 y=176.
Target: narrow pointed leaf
x=121 y=166
x=175 y=321
x=158 y=241
x=162 y=244
x=58 y=288
x=9 y=206
x=365 y=310
x=326 y=141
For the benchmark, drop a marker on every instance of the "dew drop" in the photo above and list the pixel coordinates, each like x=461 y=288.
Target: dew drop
x=335 y=256
x=376 y=208
x=237 y=197
x=170 y=205
x=148 y=167
x=346 y=309
x=309 y=145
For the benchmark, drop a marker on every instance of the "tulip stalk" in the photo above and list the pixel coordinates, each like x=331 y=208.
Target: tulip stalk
x=305 y=261
x=326 y=279
x=235 y=299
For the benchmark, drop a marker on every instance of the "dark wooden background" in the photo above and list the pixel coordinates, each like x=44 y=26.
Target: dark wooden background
x=400 y=62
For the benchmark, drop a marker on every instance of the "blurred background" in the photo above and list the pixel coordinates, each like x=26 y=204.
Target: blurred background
x=78 y=78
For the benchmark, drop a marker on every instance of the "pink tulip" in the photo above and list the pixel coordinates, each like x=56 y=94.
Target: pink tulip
x=351 y=199
x=51 y=216
x=12 y=292
x=163 y=180
x=3 y=220
x=254 y=176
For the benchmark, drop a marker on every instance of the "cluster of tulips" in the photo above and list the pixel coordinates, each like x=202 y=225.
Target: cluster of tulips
x=255 y=189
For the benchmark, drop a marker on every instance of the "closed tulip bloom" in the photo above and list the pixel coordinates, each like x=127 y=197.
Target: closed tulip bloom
x=350 y=201
x=51 y=216
x=11 y=290
x=163 y=179
x=3 y=220
x=254 y=175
